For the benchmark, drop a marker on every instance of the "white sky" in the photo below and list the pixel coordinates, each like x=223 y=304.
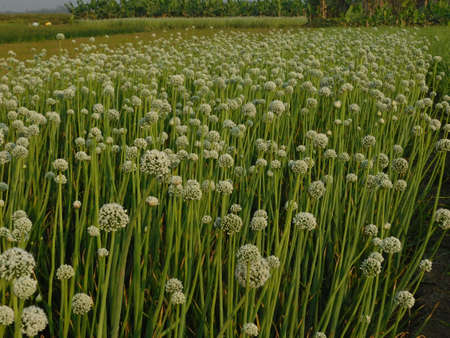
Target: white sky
x=22 y=5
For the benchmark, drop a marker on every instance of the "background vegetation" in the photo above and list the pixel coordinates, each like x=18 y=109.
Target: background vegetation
x=319 y=12
x=13 y=32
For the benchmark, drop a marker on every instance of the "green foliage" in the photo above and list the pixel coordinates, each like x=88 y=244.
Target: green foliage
x=321 y=13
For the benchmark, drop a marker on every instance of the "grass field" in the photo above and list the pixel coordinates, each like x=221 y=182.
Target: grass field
x=22 y=30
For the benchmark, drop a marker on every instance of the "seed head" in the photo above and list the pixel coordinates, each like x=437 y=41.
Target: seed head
x=250 y=329
x=305 y=221
x=442 y=217
x=404 y=299
x=34 y=320
x=6 y=315
x=24 y=287
x=391 y=245
x=15 y=263
x=174 y=285
x=112 y=217
x=81 y=304
x=65 y=272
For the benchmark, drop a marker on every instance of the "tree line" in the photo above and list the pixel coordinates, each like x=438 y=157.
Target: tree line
x=320 y=12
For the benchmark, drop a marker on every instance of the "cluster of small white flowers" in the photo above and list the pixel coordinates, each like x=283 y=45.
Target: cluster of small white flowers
x=426 y=265
x=442 y=217
x=65 y=272
x=250 y=329
x=155 y=163
x=175 y=288
x=248 y=254
x=81 y=304
x=15 y=263
x=24 y=287
x=370 y=267
x=112 y=217
x=255 y=274
x=34 y=320
x=316 y=189
x=404 y=299
x=192 y=191
x=305 y=221
x=6 y=315
x=152 y=201
x=231 y=223
x=21 y=226
x=391 y=245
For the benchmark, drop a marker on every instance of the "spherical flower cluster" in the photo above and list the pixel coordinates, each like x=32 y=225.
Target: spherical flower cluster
x=319 y=334
x=400 y=165
x=371 y=230
x=370 y=267
x=383 y=181
x=24 y=287
x=273 y=261
x=6 y=315
x=277 y=107
x=391 y=245
x=21 y=228
x=178 y=298
x=378 y=256
x=443 y=145
x=81 y=304
x=60 y=179
x=305 y=221
x=404 y=299
x=255 y=274
x=258 y=223
x=231 y=224
x=344 y=157
x=93 y=231
x=34 y=320
x=299 y=167
x=235 y=208
x=329 y=154
x=60 y=164
x=368 y=141
x=152 y=201
x=224 y=187
x=351 y=178
x=426 y=265
x=19 y=152
x=173 y=285
x=15 y=263
x=316 y=189
x=156 y=163
x=225 y=161
x=112 y=217
x=192 y=191
x=250 y=329
x=102 y=252
x=320 y=140
x=400 y=185
x=65 y=272
x=249 y=110
x=382 y=160
x=442 y=217
x=248 y=254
